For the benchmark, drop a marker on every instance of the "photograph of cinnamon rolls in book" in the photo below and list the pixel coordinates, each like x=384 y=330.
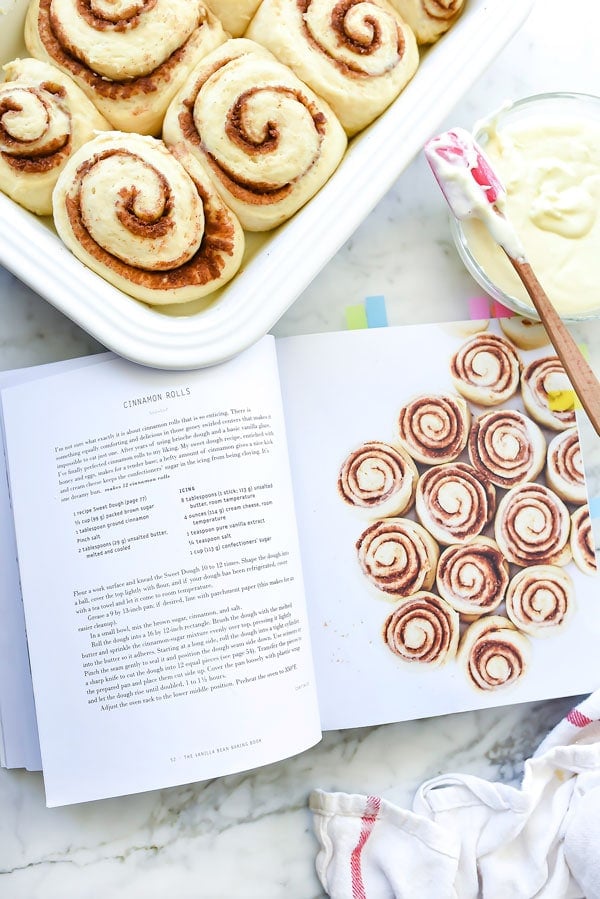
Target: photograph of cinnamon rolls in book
x=495 y=530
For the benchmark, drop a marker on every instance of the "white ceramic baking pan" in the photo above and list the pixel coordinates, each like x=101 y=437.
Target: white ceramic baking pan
x=279 y=265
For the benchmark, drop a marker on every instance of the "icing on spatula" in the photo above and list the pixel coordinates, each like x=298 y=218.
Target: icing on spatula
x=473 y=190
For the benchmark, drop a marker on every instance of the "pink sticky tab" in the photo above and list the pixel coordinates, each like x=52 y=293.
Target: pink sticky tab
x=479 y=308
x=500 y=311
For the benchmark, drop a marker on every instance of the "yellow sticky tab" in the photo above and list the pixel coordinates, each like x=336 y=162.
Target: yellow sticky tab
x=356 y=318
x=562 y=400
x=585 y=352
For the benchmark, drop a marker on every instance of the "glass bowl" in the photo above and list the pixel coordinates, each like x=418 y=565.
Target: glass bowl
x=503 y=285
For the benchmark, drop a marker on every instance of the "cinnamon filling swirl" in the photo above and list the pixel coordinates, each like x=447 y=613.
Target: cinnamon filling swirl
x=540 y=599
x=398 y=556
x=582 y=541
x=473 y=577
x=422 y=628
x=494 y=653
x=486 y=369
x=542 y=380
x=564 y=470
x=35 y=127
x=378 y=477
x=532 y=526
x=507 y=447
x=454 y=502
x=434 y=429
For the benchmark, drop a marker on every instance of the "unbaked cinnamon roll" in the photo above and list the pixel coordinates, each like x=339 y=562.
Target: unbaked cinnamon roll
x=234 y=15
x=582 y=540
x=507 y=447
x=564 y=471
x=434 y=429
x=532 y=526
x=267 y=141
x=44 y=118
x=356 y=54
x=398 y=556
x=378 y=479
x=130 y=58
x=486 y=369
x=454 y=502
x=429 y=19
x=493 y=653
x=540 y=600
x=422 y=628
x=524 y=332
x=542 y=380
x=130 y=211
x=473 y=577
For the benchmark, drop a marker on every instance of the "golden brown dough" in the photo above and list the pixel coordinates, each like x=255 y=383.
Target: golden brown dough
x=378 y=480
x=422 y=628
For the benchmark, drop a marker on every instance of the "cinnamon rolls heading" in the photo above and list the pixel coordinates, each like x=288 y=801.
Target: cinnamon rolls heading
x=129 y=58
x=44 y=118
x=263 y=137
x=358 y=54
x=161 y=234
x=378 y=479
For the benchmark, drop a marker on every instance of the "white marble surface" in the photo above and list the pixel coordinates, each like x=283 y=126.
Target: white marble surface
x=249 y=836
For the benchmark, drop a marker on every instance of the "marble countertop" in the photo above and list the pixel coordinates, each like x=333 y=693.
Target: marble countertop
x=249 y=836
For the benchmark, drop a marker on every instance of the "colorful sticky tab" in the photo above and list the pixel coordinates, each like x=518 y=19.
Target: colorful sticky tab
x=500 y=311
x=594 y=506
x=562 y=400
x=356 y=317
x=479 y=308
x=585 y=351
x=376 y=312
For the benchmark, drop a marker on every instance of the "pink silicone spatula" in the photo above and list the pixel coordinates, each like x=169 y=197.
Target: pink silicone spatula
x=473 y=190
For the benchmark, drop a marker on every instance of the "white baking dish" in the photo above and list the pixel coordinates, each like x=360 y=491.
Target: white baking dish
x=280 y=264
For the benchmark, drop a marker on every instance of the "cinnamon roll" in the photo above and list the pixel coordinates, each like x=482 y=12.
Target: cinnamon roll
x=398 y=556
x=422 y=628
x=356 y=54
x=486 y=369
x=493 y=653
x=582 y=541
x=524 y=333
x=429 y=19
x=564 y=471
x=267 y=141
x=507 y=447
x=434 y=429
x=234 y=15
x=378 y=479
x=542 y=379
x=44 y=118
x=473 y=577
x=540 y=600
x=129 y=210
x=129 y=58
x=454 y=502
x=532 y=526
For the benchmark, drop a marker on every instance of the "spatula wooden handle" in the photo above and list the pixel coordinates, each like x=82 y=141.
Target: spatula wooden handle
x=580 y=374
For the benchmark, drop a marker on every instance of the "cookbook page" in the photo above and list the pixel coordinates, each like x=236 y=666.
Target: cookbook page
x=160 y=574
x=446 y=545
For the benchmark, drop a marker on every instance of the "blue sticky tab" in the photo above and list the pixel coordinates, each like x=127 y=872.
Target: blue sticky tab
x=376 y=312
x=595 y=507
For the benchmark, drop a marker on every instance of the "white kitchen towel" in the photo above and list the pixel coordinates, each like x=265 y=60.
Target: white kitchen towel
x=467 y=838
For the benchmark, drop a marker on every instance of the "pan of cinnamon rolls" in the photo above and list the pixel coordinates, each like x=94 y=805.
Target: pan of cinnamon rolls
x=478 y=512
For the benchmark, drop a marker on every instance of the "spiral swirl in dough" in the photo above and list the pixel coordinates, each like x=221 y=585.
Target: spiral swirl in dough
x=507 y=447
x=429 y=19
x=540 y=379
x=486 y=369
x=532 y=526
x=356 y=54
x=398 y=556
x=582 y=540
x=378 y=479
x=267 y=141
x=473 y=577
x=434 y=429
x=422 y=628
x=44 y=118
x=540 y=600
x=129 y=56
x=454 y=502
x=564 y=470
x=493 y=653
x=129 y=210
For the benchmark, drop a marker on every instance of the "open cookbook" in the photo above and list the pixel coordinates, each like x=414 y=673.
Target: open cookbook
x=202 y=571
